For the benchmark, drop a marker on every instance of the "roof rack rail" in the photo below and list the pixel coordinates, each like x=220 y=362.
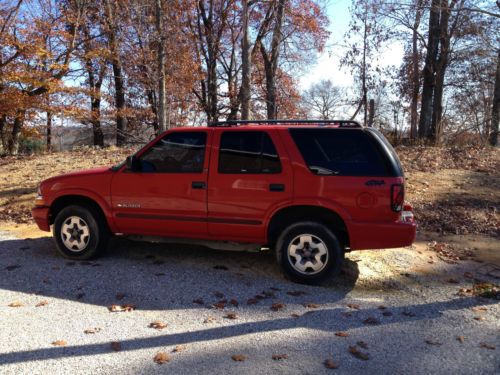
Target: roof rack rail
x=339 y=123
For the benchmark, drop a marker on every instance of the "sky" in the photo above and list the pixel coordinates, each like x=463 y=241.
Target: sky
x=327 y=66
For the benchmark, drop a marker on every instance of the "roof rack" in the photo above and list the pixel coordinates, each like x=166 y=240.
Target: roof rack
x=339 y=123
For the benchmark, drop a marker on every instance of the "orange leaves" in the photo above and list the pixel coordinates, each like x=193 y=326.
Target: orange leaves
x=116 y=346
x=238 y=357
x=157 y=325
x=16 y=304
x=121 y=308
x=161 y=358
x=59 y=343
x=330 y=364
x=342 y=334
x=278 y=357
x=277 y=306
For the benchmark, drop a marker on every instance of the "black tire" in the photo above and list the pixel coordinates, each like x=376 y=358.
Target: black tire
x=329 y=264
x=80 y=218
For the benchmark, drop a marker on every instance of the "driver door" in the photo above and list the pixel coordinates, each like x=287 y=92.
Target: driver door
x=166 y=195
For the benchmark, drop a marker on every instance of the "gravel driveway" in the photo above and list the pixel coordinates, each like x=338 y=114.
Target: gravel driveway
x=216 y=305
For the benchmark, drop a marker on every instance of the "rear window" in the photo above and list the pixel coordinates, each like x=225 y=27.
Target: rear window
x=340 y=152
x=248 y=152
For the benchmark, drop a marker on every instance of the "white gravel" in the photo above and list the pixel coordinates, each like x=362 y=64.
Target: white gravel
x=163 y=280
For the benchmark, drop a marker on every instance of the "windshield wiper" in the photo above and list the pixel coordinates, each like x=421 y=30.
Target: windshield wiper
x=323 y=171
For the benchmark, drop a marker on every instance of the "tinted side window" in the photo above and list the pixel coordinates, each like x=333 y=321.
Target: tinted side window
x=181 y=152
x=248 y=152
x=342 y=152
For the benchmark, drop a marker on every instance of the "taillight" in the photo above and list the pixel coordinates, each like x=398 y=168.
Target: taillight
x=397 y=197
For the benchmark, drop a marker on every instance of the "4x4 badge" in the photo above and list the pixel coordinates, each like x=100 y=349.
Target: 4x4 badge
x=375 y=183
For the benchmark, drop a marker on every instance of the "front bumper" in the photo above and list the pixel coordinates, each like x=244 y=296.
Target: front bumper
x=381 y=236
x=41 y=217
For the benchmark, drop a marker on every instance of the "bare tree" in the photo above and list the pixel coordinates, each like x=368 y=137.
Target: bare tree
x=323 y=99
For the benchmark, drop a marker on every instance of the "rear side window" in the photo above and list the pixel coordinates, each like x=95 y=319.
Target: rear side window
x=248 y=152
x=180 y=152
x=340 y=152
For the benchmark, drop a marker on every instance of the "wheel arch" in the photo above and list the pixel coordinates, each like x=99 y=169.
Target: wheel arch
x=292 y=214
x=76 y=200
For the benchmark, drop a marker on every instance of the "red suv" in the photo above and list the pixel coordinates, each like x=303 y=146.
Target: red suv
x=309 y=190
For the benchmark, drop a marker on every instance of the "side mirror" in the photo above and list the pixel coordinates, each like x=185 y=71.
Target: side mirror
x=133 y=163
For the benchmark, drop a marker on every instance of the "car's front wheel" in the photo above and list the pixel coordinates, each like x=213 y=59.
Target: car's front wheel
x=309 y=252
x=80 y=233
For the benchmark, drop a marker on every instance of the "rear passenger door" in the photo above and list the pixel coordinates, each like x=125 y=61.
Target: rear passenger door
x=250 y=177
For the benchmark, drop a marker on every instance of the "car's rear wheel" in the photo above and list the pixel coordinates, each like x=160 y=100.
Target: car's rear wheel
x=80 y=232
x=309 y=252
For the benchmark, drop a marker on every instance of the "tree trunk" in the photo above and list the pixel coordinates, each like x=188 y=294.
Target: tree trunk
x=162 y=107
x=441 y=65
x=49 y=131
x=371 y=114
x=3 y=142
x=271 y=62
x=363 y=75
x=120 y=104
x=13 y=142
x=495 y=110
x=415 y=79
x=429 y=71
x=246 y=66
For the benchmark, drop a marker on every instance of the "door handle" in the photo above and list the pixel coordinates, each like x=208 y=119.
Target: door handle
x=198 y=185
x=276 y=187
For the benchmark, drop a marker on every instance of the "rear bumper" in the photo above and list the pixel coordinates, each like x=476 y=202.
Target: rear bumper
x=381 y=236
x=41 y=217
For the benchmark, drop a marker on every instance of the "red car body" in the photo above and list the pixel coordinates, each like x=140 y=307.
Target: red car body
x=233 y=207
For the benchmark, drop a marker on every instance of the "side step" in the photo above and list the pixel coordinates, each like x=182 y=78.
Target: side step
x=216 y=245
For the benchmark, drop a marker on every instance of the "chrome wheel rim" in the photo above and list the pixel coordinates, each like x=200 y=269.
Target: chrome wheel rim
x=75 y=234
x=307 y=254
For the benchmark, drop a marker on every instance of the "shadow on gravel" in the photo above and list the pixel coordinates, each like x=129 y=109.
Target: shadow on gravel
x=336 y=316
x=158 y=276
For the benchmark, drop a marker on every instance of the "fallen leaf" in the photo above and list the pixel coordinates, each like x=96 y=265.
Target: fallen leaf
x=120 y=308
x=209 y=319
x=161 y=358
x=479 y=318
x=330 y=364
x=277 y=306
x=460 y=339
x=358 y=354
x=120 y=296
x=353 y=306
x=234 y=303
x=432 y=342
x=231 y=316
x=42 y=303
x=91 y=331
x=296 y=293
x=219 y=305
x=295 y=315
x=16 y=304
x=312 y=305
x=252 y=301
x=486 y=346
x=238 y=357
x=277 y=357
x=199 y=301
x=116 y=346
x=371 y=320
x=479 y=309
x=59 y=343
x=179 y=348
x=362 y=344
x=342 y=334
x=221 y=267
x=382 y=307
x=157 y=325
x=13 y=267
